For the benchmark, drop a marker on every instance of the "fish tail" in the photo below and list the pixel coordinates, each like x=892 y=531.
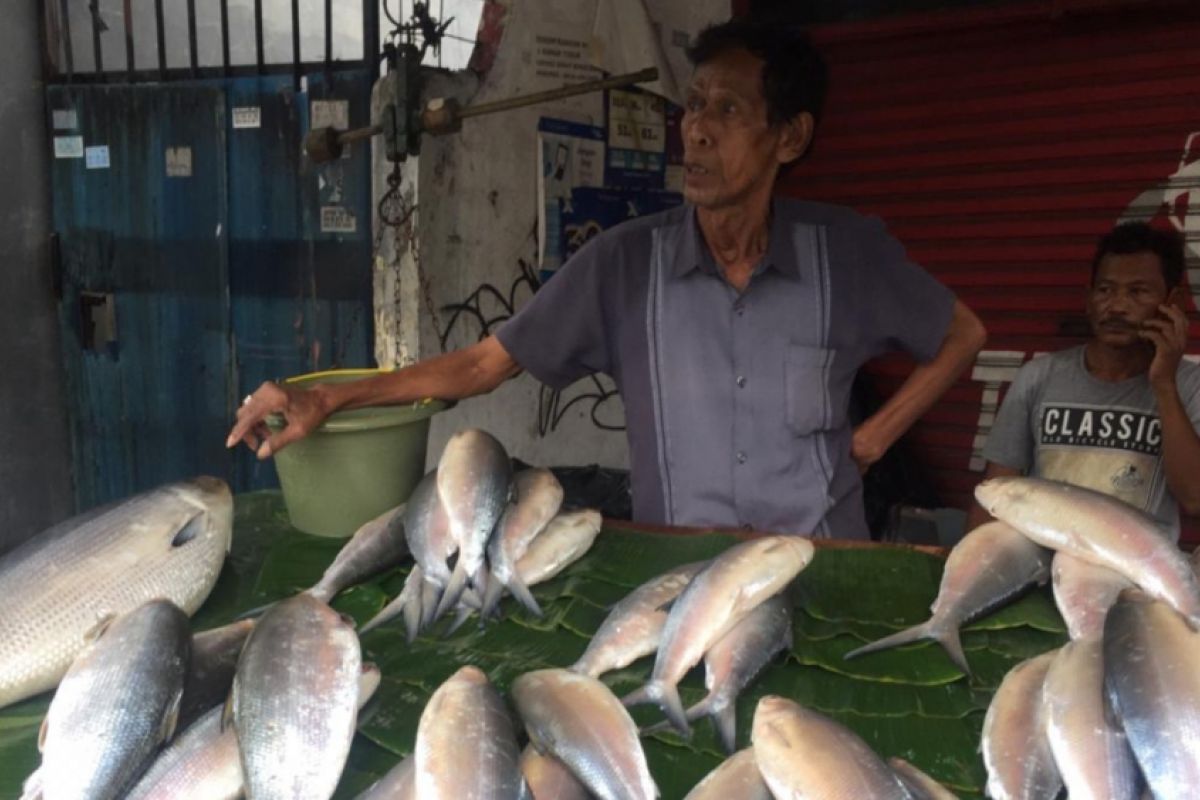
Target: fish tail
x=491 y=598
x=952 y=644
x=256 y=612
x=460 y=618
x=452 y=592
x=431 y=593
x=399 y=604
x=945 y=634
x=637 y=697
x=521 y=592
x=724 y=719
x=666 y=697
x=412 y=615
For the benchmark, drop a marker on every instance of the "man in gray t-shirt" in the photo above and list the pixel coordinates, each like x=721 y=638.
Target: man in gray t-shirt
x=1120 y=414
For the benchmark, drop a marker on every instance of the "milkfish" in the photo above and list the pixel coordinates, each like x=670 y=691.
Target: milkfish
x=1083 y=593
x=295 y=700
x=1152 y=677
x=1016 y=748
x=919 y=785
x=550 y=779
x=580 y=722
x=1092 y=753
x=167 y=543
x=376 y=547
x=116 y=704
x=716 y=600
x=1096 y=528
x=736 y=777
x=991 y=565
x=203 y=761
x=474 y=482
x=634 y=626
x=210 y=672
x=803 y=754
x=466 y=747
x=537 y=496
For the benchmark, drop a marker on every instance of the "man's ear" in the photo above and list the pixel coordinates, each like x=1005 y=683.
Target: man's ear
x=797 y=135
x=1178 y=297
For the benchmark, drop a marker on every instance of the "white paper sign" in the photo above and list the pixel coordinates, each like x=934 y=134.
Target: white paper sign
x=336 y=219
x=96 y=157
x=65 y=119
x=68 y=147
x=247 y=117
x=179 y=162
x=330 y=114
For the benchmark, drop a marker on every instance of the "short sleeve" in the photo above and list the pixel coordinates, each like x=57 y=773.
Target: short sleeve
x=561 y=334
x=1190 y=394
x=1010 y=443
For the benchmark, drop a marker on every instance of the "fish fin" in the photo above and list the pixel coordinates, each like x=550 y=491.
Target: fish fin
x=952 y=644
x=523 y=595
x=637 y=697
x=491 y=598
x=96 y=631
x=42 y=731
x=460 y=618
x=452 y=592
x=170 y=720
x=925 y=630
x=412 y=617
x=349 y=621
x=257 y=611
x=190 y=530
x=666 y=607
x=667 y=697
x=724 y=719
x=31 y=789
x=431 y=593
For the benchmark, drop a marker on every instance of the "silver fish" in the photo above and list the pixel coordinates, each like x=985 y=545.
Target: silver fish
x=736 y=777
x=474 y=481
x=400 y=783
x=919 y=785
x=550 y=779
x=167 y=543
x=736 y=658
x=1083 y=593
x=466 y=747
x=578 y=720
x=804 y=754
x=634 y=626
x=116 y=704
x=537 y=498
x=376 y=547
x=1096 y=528
x=1092 y=753
x=210 y=672
x=1016 y=750
x=717 y=599
x=203 y=761
x=295 y=700
x=409 y=603
x=1152 y=676
x=991 y=565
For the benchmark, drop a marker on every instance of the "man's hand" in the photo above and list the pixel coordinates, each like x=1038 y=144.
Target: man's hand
x=866 y=448
x=302 y=410
x=1168 y=334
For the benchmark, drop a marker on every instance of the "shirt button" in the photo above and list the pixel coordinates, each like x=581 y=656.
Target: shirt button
x=741 y=381
x=741 y=457
x=739 y=309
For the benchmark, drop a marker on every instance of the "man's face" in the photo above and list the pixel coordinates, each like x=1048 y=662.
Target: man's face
x=729 y=151
x=1127 y=291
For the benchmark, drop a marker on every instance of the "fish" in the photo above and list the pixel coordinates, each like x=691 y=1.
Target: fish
x=1091 y=752
x=549 y=779
x=167 y=543
x=537 y=497
x=736 y=778
x=408 y=603
x=400 y=783
x=294 y=702
x=118 y=701
x=919 y=785
x=804 y=754
x=1099 y=529
x=1083 y=593
x=203 y=761
x=716 y=600
x=580 y=722
x=210 y=672
x=466 y=746
x=989 y=566
x=633 y=628
x=1016 y=749
x=474 y=482
x=1152 y=680
x=376 y=547
x=736 y=658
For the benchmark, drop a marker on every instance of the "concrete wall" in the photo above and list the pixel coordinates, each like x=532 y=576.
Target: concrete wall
x=34 y=471
x=476 y=214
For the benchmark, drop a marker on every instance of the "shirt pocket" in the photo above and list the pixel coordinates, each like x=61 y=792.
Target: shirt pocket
x=814 y=400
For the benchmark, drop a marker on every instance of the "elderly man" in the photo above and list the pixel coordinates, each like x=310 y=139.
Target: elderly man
x=733 y=325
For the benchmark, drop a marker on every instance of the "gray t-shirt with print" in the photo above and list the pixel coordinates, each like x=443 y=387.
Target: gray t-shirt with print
x=1059 y=421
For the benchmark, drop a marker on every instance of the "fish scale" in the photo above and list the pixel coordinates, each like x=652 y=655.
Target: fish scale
x=63 y=582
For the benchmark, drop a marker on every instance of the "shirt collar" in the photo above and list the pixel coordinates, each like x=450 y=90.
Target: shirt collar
x=693 y=253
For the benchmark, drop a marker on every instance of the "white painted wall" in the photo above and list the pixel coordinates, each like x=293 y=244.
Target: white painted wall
x=476 y=196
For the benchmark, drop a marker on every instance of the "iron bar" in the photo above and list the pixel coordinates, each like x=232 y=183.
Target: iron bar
x=194 y=56
x=225 y=35
x=160 y=30
x=129 y=66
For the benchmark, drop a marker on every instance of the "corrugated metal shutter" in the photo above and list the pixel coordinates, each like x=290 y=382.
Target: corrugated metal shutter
x=999 y=146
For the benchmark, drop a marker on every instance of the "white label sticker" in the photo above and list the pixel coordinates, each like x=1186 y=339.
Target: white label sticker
x=179 y=162
x=336 y=219
x=68 y=147
x=247 y=117
x=65 y=119
x=97 y=157
x=330 y=114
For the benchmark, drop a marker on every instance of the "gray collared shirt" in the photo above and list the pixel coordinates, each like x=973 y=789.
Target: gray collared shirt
x=736 y=404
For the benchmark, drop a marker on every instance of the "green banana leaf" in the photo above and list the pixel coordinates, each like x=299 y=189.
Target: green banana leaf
x=910 y=702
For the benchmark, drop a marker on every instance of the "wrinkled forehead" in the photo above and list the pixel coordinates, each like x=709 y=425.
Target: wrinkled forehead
x=1128 y=268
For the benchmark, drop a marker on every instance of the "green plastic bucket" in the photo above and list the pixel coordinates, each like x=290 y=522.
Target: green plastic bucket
x=358 y=464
